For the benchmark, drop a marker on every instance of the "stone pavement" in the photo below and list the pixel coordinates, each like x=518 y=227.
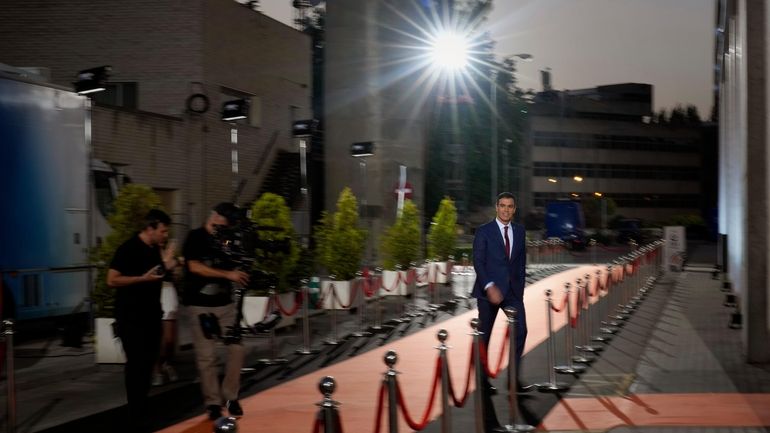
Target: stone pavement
x=679 y=342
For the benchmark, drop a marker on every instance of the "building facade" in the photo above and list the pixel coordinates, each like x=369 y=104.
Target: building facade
x=602 y=142
x=173 y=66
x=741 y=66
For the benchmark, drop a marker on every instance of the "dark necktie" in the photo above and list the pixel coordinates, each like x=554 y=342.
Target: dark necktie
x=507 y=243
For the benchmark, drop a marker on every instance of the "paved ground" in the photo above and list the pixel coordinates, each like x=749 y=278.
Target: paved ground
x=678 y=342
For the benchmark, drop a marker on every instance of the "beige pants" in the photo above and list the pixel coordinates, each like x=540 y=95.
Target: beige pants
x=206 y=356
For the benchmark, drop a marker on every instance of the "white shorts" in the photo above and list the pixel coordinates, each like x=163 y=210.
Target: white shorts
x=169 y=301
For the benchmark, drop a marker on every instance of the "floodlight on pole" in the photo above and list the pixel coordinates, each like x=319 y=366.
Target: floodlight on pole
x=92 y=80
x=235 y=110
x=494 y=184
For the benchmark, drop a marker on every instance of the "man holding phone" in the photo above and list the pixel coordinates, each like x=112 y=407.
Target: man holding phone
x=136 y=272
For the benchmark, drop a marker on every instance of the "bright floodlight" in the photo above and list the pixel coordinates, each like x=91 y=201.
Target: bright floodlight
x=450 y=51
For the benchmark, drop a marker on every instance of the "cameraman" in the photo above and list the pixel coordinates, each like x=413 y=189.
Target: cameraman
x=208 y=293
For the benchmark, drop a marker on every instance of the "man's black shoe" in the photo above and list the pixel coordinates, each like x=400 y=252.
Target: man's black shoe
x=492 y=390
x=234 y=408
x=214 y=411
x=495 y=429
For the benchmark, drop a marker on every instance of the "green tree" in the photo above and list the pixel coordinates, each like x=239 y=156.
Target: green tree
x=271 y=211
x=443 y=231
x=401 y=242
x=130 y=207
x=340 y=242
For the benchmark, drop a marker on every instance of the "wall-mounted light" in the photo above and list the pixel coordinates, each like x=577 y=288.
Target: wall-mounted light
x=92 y=80
x=235 y=110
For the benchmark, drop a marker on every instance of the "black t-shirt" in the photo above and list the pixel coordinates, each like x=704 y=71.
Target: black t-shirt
x=205 y=291
x=137 y=301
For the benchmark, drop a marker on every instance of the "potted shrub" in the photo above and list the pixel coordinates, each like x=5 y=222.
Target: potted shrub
x=401 y=247
x=276 y=254
x=340 y=248
x=442 y=237
x=130 y=207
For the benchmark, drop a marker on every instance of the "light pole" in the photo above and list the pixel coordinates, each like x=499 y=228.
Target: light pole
x=231 y=112
x=494 y=184
x=303 y=130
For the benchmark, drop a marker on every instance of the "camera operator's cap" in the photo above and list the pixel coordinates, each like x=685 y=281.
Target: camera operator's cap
x=229 y=211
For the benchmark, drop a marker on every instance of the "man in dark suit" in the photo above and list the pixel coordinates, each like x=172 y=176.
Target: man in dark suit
x=500 y=258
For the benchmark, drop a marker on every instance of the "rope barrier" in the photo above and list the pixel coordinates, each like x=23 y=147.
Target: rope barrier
x=460 y=402
x=294 y=308
x=336 y=298
x=493 y=373
x=380 y=408
x=426 y=415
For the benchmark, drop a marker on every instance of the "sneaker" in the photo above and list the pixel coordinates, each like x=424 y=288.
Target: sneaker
x=234 y=408
x=214 y=411
x=157 y=379
x=170 y=373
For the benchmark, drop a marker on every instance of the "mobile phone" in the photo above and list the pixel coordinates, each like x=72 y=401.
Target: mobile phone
x=160 y=271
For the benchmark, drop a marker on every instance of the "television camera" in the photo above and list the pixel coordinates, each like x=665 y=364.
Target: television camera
x=239 y=242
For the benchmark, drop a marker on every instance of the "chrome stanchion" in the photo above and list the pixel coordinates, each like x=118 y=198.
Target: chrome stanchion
x=226 y=424
x=569 y=367
x=513 y=403
x=377 y=299
x=590 y=315
x=446 y=416
x=274 y=359
x=10 y=375
x=585 y=332
x=390 y=381
x=332 y=340
x=328 y=411
x=551 y=385
x=305 y=349
x=478 y=397
x=604 y=328
x=361 y=305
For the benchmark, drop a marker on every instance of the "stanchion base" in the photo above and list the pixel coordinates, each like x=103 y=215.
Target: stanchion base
x=519 y=427
x=307 y=351
x=570 y=369
x=331 y=342
x=608 y=330
x=590 y=348
x=552 y=387
x=583 y=359
x=614 y=324
x=601 y=338
x=273 y=361
x=361 y=334
x=619 y=317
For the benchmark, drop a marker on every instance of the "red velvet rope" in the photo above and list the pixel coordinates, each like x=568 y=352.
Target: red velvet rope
x=295 y=307
x=318 y=421
x=336 y=298
x=426 y=415
x=460 y=402
x=380 y=408
x=395 y=282
x=485 y=361
x=563 y=304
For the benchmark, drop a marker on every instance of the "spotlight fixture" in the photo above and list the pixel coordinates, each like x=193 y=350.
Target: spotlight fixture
x=235 y=110
x=92 y=80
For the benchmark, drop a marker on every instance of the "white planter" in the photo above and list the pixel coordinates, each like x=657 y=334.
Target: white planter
x=109 y=349
x=342 y=290
x=389 y=285
x=437 y=272
x=463 y=278
x=254 y=309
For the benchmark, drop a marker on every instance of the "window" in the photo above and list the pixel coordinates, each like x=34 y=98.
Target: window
x=122 y=95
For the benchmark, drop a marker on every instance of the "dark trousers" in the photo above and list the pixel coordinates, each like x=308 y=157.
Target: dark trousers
x=141 y=343
x=487 y=316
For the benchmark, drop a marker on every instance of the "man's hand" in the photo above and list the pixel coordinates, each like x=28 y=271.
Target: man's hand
x=153 y=274
x=237 y=276
x=494 y=295
x=168 y=252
